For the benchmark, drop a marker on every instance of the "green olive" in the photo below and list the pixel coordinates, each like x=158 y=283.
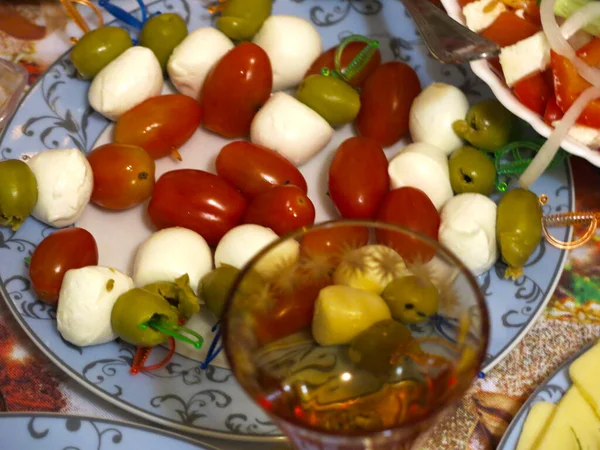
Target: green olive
x=241 y=19
x=488 y=125
x=373 y=349
x=18 y=193
x=518 y=229
x=335 y=100
x=215 y=285
x=135 y=308
x=162 y=34
x=178 y=294
x=97 y=48
x=471 y=171
x=411 y=299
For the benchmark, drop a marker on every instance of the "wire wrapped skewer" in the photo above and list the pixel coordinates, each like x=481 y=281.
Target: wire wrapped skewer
x=568 y=219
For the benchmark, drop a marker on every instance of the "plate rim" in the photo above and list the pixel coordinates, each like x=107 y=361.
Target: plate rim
x=109 y=421
x=525 y=406
x=126 y=406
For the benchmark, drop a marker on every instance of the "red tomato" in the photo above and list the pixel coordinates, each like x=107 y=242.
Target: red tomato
x=293 y=312
x=350 y=52
x=66 y=249
x=198 y=200
x=508 y=29
x=534 y=92
x=568 y=84
x=254 y=169
x=411 y=208
x=123 y=175
x=334 y=241
x=281 y=208
x=358 y=178
x=235 y=89
x=385 y=100
x=160 y=125
x=552 y=112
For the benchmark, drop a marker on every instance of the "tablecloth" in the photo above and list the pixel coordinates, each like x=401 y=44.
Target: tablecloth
x=30 y=382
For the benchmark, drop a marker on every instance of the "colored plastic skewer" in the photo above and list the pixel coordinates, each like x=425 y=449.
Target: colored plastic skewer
x=516 y=165
x=142 y=354
x=175 y=331
x=212 y=353
x=77 y=18
x=122 y=15
x=357 y=64
x=568 y=219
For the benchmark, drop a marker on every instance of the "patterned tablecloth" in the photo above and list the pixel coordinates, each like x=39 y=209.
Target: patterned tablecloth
x=29 y=381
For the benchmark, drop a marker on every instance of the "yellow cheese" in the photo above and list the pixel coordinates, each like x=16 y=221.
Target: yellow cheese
x=534 y=426
x=584 y=373
x=573 y=425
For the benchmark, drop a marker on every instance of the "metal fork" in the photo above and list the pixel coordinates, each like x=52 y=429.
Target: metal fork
x=447 y=40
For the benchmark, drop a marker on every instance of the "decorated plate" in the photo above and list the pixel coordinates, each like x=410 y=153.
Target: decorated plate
x=55 y=114
x=551 y=390
x=38 y=431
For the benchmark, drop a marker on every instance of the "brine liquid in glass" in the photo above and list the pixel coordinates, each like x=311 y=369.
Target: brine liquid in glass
x=324 y=388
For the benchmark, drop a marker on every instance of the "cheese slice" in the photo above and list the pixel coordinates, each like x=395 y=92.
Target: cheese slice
x=573 y=425
x=584 y=373
x=535 y=425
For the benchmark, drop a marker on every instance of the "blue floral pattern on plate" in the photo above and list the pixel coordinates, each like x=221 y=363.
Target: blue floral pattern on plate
x=551 y=390
x=55 y=114
x=33 y=431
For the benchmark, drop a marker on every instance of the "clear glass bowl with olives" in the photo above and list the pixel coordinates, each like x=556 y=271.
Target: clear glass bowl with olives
x=345 y=342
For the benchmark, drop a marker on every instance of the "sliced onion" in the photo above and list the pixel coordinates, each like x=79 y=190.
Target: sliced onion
x=559 y=43
x=545 y=155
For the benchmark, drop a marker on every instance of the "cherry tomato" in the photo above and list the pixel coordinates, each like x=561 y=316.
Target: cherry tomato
x=350 y=52
x=235 y=89
x=534 y=92
x=552 y=112
x=411 y=208
x=198 y=200
x=281 y=208
x=568 y=84
x=385 y=100
x=123 y=175
x=358 y=178
x=334 y=241
x=508 y=29
x=66 y=249
x=254 y=169
x=292 y=312
x=160 y=125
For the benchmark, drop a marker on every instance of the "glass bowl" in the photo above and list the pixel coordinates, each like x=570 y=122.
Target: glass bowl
x=354 y=334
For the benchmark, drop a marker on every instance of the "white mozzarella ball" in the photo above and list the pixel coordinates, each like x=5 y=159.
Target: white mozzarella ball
x=65 y=182
x=292 y=44
x=240 y=244
x=424 y=167
x=468 y=228
x=432 y=114
x=171 y=253
x=194 y=57
x=87 y=296
x=128 y=80
x=290 y=128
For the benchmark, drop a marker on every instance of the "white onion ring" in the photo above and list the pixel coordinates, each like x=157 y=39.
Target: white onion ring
x=559 y=43
x=557 y=38
x=545 y=155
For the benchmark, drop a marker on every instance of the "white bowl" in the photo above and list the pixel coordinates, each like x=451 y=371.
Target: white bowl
x=483 y=70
